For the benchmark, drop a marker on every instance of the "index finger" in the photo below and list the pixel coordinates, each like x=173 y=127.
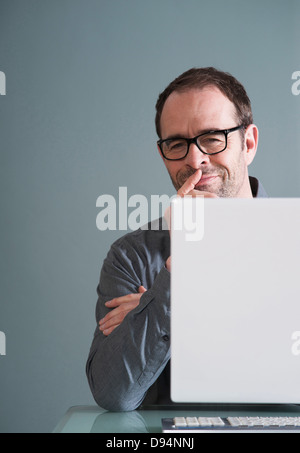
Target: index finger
x=190 y=183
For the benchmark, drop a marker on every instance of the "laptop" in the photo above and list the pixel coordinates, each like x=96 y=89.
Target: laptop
x=235 y=301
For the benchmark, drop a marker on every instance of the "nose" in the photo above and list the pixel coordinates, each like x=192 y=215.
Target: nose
x=196 y=157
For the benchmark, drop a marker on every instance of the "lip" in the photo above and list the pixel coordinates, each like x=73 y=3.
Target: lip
x=206 y=179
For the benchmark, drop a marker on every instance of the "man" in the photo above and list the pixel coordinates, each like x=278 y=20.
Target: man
x=207 y=141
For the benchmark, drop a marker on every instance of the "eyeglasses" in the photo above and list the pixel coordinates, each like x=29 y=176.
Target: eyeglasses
x=212 y=142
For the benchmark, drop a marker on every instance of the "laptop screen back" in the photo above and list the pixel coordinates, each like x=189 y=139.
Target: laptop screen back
x=235 y=302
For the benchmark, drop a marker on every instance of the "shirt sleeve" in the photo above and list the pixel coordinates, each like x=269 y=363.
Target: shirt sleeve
x=123 y=365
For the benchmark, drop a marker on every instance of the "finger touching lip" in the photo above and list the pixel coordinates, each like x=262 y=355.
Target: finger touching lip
x=206 y=179
x=190 y=183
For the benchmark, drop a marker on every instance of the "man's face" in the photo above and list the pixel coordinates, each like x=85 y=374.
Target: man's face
x=188 y=114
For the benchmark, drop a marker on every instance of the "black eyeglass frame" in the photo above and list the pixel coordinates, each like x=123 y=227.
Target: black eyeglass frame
x=194 y=140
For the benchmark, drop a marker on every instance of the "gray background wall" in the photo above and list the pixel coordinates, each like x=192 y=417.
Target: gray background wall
x=77 y=121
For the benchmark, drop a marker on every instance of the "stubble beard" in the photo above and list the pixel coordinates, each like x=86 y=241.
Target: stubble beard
x=229 y=184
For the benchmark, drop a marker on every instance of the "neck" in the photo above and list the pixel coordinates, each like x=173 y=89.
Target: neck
x=245 y=191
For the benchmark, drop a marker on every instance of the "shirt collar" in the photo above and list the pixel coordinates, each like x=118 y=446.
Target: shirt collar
x=257 y=188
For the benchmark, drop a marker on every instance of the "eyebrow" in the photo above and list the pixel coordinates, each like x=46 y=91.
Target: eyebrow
x=204 y=131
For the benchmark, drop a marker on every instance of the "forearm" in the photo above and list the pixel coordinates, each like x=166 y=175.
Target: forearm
x=123 y=365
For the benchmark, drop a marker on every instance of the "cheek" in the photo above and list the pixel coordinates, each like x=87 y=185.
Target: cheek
x=220 y=161
x=232 y=162
x=173 y=167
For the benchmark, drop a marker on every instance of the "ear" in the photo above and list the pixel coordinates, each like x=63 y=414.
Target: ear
x=251 y=142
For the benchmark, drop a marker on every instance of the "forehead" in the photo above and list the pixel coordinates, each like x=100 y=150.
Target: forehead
x=192 y=111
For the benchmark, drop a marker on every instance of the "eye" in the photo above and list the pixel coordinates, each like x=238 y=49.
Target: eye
x=216 y=138
x=177 y=144
x=213 y=142
x=174 y=145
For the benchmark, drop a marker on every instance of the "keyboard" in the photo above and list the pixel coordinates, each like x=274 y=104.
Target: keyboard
x=230 y=424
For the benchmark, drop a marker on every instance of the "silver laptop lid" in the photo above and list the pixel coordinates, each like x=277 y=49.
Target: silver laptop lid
x=235 y=301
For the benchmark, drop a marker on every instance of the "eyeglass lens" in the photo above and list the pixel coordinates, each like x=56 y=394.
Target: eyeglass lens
x=209 y=143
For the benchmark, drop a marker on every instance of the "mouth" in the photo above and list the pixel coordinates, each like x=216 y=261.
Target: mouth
x=206 y=179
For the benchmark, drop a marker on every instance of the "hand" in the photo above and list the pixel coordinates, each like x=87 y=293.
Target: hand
x=122 y=306
x=188 y=188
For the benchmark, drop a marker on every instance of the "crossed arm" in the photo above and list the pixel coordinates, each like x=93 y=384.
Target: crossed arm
x=122 y=306
x=132 y=350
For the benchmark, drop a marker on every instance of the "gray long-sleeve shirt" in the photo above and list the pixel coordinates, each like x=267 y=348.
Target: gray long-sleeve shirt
x=131 y=365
